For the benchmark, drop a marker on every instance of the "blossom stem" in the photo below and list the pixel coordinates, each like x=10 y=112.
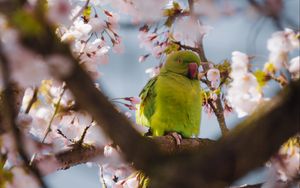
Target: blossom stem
x=102 y=177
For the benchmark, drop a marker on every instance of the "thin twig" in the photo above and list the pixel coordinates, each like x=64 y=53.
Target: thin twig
x=32 y=100
x=101 y=172
x=57 y=105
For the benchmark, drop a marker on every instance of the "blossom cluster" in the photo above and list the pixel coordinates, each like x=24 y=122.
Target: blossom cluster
x=51 y=121
x=243 y=92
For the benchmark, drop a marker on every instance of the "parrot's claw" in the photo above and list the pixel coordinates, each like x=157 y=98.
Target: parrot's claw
x=177 y=137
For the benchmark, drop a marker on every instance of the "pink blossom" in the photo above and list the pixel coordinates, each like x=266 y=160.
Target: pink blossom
x=47 y=164
x=294 y=67
x=147 y=39
x=59 y=11
x=189 y=31
x=24 y=120
x=239 y=64
x=148 y=10
x=97 y=24
x=213 y=75
x=21 y=179
x=153 y=71
x=133 y=100
x=119 y=48
x=143 y=58
x=158 y=50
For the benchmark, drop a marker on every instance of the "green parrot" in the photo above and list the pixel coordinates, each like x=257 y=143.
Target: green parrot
x=171 y=101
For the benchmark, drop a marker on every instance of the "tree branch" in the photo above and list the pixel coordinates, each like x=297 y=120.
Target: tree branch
x=9 y=115
x=246 y=147
x=137 y=149
x=167 y=144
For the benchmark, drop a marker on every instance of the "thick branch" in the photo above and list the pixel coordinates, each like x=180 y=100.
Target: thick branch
x=142 y=152
x=247 y=147
x=167 y=145
x=8 y=112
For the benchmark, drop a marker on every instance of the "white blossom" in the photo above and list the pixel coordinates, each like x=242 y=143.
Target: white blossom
x=213 y=75
x=239 y=64
x=78 y=31
x=22 y=179
x=143 y=8
x=279 y=45
x=59 y=11
x=294 y=67
x=153 y=71
x=189 y=31
x=243 y=94
x=97 y=24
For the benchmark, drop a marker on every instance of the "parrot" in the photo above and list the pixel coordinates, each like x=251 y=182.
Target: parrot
x=171 y=102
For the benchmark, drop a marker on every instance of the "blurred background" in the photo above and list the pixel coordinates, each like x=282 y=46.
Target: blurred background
x=124 y=76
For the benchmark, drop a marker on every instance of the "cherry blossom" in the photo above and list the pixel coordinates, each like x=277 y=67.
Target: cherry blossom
x=243 y=94
x=49 y=116
x=59 y=11
x=79 y=31
x=28 y=68
x=285 y=165
x=213 y=75
x=144 y=7
x=153 y=71
x=22 y=179
x=97 y=24
x=239 y=64
x=189 y=31
x=294 y=67
x=279 y=45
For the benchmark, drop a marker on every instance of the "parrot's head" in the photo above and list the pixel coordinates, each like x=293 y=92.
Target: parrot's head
x=183 y=62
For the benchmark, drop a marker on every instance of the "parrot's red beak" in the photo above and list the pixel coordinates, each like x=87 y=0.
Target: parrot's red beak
x=193 y=71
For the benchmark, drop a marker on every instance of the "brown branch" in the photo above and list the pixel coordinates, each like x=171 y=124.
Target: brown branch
x=32 y=100
x=78 y=155
x=219 y=112
x=142 y=152
x=168 y=145
x=9 y=116
x=246 y=147
x=83 y=154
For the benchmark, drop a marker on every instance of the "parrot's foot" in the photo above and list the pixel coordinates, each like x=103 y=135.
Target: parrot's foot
x=177 y=137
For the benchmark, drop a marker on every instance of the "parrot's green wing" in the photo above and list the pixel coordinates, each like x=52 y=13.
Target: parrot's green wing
x=146 y=108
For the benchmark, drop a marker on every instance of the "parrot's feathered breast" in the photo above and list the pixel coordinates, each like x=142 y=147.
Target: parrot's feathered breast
x=171 y=102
